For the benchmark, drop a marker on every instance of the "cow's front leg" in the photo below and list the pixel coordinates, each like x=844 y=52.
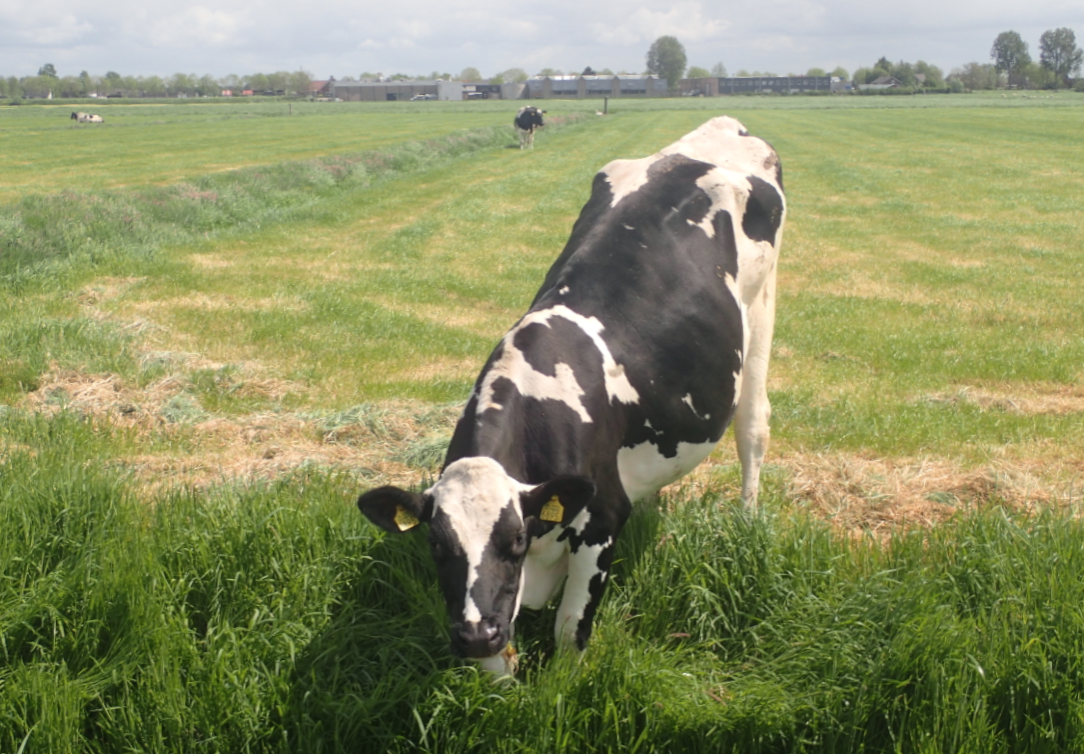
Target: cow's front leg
x=588 y=570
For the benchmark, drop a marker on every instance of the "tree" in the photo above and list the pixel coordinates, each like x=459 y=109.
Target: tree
x=1010 y=54
x=278 y=81
x=935 y=77
x=48 y=70
x=550 y=72
x=470 y=74
x=696 y=72
x=666 y=58
x=1058 y=53
x=512 y=76
x=904 y=73
x=299 y=82
x=588 y=71
x=718 y=70
x=841 y=73
x=977 y=75
x=816 y=72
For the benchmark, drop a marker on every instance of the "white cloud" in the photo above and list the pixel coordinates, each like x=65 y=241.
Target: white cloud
x=684 y=20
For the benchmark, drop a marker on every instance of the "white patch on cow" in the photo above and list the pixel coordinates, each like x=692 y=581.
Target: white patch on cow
x=647 y=423
x=583 y=568
x=544 y=569
x=472 y=492
x=688 y=401
x=563 y=290
x=563 y=386
x=644 y=470
x=627 y=226
x=628 y=176
x=580 y=522
x=720 y=142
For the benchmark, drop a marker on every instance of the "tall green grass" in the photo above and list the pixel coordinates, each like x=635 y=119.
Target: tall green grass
x=272 y=618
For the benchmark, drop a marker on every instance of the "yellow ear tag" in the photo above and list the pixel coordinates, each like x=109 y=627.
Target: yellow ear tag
x=552 y=511
x=404 y=519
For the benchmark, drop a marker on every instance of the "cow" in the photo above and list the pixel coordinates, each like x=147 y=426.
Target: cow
x=528 y=120
x=650 y=332
x=87 y=118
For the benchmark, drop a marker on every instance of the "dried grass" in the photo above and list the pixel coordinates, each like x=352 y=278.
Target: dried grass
x=879 y=495
x=1028 y=398
x=396 y=443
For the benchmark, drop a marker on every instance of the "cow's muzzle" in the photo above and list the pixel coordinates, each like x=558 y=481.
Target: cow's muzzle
x=479 y=639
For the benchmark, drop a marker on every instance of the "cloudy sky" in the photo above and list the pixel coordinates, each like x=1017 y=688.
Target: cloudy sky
x=334 y=37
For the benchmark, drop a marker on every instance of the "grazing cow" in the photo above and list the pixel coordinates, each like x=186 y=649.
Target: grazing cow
x=528 y=120
x=651 y=331
x=87 y=118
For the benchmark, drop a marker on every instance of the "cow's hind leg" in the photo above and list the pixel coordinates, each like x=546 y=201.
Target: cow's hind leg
x=751 y=418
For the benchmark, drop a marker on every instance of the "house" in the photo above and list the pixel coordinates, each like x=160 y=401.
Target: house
x=321 y=88
x=881 y=82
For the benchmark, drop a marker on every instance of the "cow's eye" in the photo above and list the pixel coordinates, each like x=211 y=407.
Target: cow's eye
x=520 y=541
x=437 y=549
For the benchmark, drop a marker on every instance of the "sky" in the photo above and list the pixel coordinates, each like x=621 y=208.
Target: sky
x=340 y=38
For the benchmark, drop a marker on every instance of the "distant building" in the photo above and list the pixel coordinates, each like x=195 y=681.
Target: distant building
x=321 y=88
x=881 y=82
x=583 y=87
x=719 y=86
x=399 y=91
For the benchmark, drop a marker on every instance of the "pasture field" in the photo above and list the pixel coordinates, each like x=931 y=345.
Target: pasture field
x=230 y=328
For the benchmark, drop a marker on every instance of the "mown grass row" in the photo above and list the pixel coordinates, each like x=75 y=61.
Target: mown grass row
x=271 y=618
x=50 y=243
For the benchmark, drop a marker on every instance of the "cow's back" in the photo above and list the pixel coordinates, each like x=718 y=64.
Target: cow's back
x=664 y=256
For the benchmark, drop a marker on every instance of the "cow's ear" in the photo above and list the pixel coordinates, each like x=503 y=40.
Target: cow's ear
x=559 y=500
x=396 y=510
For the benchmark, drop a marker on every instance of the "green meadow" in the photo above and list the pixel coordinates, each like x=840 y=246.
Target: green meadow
x=221 y=322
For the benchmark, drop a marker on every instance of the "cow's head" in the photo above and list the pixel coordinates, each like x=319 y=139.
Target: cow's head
x=480 y=525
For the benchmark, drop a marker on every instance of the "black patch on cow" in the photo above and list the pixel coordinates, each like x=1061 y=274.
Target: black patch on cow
x=529 y=119
x=451 y=563
x=494 y=591
x=763 y=212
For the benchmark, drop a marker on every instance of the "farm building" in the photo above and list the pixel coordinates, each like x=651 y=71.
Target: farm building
x=391 y=91
x=882 y=82
x=582 y=87
x=715 y=87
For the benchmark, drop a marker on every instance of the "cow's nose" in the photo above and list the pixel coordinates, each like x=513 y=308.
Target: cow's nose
x=478 y=638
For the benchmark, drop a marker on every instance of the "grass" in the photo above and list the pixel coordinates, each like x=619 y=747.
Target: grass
x=271 y=618
x=199 y=373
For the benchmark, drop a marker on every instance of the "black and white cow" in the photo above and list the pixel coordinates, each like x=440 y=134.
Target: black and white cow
x=651 y=332
x=528 y=120
x=87 y=118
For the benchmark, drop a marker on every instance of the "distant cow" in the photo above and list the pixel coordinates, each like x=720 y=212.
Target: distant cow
x=651 y=331
x=528 y=120
x=87 y=118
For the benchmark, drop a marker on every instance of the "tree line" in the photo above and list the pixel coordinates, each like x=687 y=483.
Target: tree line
x=1059 y=59
x=48 y=81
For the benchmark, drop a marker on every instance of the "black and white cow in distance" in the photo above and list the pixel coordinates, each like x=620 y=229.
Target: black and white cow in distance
x=528 y=120
x=651 y=332
x=87 y=118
